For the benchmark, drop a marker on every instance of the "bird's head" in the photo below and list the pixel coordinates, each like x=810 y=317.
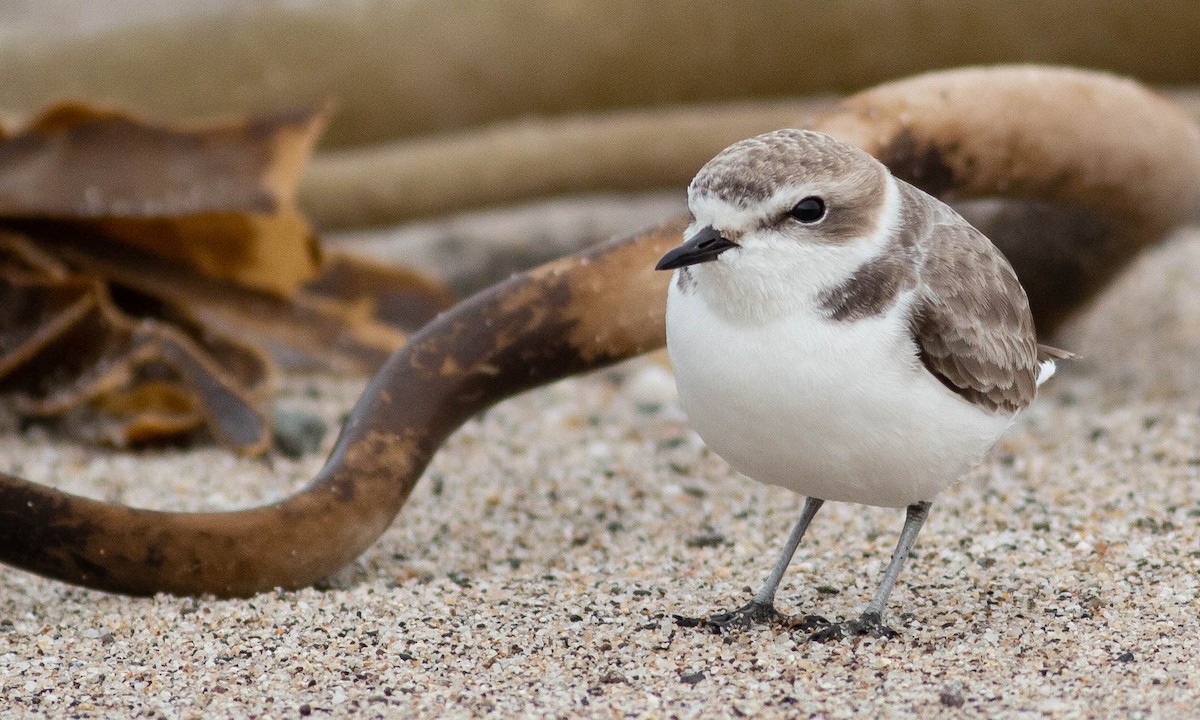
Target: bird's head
x=780 y=216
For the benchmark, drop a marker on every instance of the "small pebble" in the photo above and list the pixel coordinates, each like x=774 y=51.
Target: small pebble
x=298 y=433
x=692 y=678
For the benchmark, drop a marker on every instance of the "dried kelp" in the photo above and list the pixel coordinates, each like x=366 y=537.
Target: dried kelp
x=152 y=278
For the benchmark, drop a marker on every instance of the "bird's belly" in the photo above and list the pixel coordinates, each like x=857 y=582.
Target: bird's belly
x=838 y=411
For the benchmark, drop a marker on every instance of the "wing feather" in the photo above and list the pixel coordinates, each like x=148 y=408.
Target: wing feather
x=971 y=321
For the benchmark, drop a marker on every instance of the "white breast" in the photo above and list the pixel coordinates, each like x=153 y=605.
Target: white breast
x=833 y=410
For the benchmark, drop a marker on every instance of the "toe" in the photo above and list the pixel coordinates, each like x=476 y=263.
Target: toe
x=871 y=624
x=749 y=615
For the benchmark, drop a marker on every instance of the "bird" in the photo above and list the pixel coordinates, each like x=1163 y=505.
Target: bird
x=838 y=332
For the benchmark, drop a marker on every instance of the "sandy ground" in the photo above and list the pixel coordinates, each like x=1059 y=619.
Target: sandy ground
x=536 y=569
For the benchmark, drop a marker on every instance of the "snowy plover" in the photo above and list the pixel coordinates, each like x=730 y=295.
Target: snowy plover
x=837 y=332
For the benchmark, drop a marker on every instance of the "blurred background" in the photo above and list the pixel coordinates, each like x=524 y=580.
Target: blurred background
x=398 y=68
x=448 y=106
x=403 y=67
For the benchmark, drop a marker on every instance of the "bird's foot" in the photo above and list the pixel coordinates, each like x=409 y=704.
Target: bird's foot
x=869 y=624
x=750 y=614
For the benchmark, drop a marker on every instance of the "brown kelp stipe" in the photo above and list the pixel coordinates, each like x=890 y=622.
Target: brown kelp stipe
x=560 y=319
x=1105 y=165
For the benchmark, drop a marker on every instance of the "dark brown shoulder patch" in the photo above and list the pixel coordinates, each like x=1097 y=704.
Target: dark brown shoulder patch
x=873 y=287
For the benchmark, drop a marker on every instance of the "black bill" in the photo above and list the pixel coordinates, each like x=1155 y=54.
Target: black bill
x=702 y=247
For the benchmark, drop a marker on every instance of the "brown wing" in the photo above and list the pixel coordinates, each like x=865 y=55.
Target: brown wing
x=971 y=323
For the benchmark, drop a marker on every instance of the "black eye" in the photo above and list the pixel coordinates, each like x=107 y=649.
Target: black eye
x=808 y=210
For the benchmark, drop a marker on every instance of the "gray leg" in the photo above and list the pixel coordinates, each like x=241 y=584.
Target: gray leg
x=762 y=607
x=871 y=620
x=766 y=594
x=914 y=518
